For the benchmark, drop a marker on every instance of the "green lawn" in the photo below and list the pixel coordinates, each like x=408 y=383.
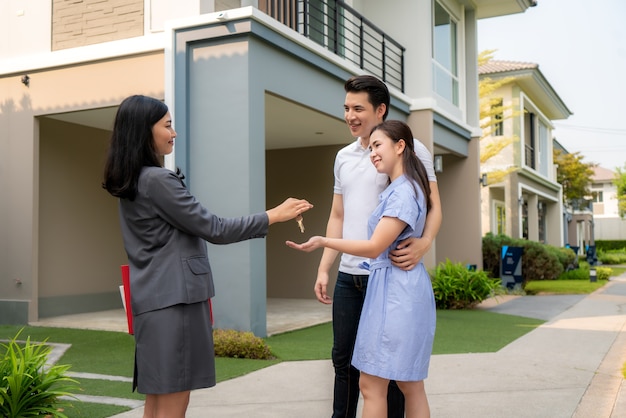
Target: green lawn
x=563 y=287
x=111 y=353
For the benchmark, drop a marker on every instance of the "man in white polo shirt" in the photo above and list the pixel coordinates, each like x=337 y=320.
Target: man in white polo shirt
x=356 y=190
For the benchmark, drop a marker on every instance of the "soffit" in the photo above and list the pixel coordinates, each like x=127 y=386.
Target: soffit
x=493 y=8
x=287 y=124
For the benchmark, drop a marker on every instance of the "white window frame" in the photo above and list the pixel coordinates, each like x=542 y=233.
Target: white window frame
x=495 y=227
x=456 y=98
x=543 y=146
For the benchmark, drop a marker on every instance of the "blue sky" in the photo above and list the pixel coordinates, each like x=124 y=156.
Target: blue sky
x=580 y=46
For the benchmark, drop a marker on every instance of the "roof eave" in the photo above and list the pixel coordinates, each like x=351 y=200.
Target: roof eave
x=535 y=85
x=493 y=8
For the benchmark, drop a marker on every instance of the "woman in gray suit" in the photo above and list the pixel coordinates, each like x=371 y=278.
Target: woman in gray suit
x=164 y=229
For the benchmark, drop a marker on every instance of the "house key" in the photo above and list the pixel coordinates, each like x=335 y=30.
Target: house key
x=300 y=223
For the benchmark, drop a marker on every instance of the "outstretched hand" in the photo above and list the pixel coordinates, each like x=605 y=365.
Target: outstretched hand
x=289 y=209
x=312 y=244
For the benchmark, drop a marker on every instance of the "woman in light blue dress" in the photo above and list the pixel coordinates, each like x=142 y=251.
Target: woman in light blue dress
x=397 y=325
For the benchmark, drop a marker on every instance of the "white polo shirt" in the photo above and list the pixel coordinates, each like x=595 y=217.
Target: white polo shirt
x=357 y=180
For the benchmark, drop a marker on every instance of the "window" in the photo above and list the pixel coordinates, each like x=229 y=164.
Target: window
x=445 y=65
x=597 y=197
x=322 y=23
x=544 y=158
x=500 y=218
x=537 y=145
x=529 y=139
x=525 y=219
x=541 y=218
x=497 y=117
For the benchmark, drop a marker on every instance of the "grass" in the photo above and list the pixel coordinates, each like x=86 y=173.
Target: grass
x=458 y=331
x=478 y=331
x=111 y=353
x=617 y=271
x=563 y=287
x=115 y=389
x=92 y=410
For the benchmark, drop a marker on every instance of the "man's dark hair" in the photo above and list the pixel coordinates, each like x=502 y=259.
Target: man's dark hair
x=377 y=91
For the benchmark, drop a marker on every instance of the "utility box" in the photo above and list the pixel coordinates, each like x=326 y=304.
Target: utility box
x=511 y=267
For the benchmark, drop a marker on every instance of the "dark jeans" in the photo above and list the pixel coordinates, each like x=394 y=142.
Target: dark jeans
x=348 y=300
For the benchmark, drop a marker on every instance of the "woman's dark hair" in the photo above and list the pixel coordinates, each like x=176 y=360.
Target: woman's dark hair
x=377 y=91
x=413 y=166
x=132 y=145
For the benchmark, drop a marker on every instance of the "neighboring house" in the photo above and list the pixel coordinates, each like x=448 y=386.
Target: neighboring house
x=578 y=231
x=256 y=91
x=527 y=203
x=608 y=224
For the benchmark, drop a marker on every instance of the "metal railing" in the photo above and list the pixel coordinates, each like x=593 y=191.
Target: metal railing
x=341 y=29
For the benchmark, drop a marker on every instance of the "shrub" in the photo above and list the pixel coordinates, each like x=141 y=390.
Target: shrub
x=28 y=386
x=539 y=261
x=603 y=273
x=581 y=273
x=612 y=257
x=609 y=245
x=457 y=287
x=240 y=344
x=492 y=252
x=566 y=256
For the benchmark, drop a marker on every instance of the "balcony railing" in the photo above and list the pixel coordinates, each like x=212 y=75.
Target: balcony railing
x=341 y=29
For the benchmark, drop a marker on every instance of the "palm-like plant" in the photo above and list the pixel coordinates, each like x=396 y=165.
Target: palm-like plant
x=28 y=386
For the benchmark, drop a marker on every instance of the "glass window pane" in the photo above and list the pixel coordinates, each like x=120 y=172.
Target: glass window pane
x=445 y=71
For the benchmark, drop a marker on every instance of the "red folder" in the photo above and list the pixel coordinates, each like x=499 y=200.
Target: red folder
x=129 y=310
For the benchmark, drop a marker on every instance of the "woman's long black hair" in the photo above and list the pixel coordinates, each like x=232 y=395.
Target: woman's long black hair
x=413 y=166
x=132 y=145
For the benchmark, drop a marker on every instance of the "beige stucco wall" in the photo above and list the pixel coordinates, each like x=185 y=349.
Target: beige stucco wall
x=459 y=238
x=305 y=173
x=79 y=234
x=56 y=90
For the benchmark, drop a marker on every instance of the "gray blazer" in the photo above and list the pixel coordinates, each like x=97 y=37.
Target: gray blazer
x=164 y=231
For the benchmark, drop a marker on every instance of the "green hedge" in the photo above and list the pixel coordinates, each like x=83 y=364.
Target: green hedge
x=539 y=261
x=611 y=245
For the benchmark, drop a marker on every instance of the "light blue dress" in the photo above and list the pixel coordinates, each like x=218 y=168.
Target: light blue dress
x=397 y=326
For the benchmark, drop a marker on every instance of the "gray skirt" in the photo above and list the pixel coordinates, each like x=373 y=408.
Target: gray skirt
x=174 y=349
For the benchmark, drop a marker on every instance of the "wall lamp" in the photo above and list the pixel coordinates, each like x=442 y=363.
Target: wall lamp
x=438 y=163
x=483 y=179
x=26 y=80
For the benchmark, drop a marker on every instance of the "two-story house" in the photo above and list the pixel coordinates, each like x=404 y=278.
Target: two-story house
x=256 y=91
x=608 y=224
x=578 y=216
x=527 y=202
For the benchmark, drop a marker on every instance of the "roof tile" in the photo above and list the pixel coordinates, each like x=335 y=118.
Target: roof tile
x=497 y=66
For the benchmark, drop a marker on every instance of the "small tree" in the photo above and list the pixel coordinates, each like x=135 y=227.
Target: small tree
x=574 y=175
x=620 y=183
